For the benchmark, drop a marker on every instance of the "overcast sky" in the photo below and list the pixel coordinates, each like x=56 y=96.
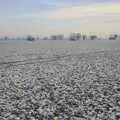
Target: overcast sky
x=46 y=17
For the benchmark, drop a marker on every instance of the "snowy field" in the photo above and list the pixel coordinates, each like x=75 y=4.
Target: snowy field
x=60 y=80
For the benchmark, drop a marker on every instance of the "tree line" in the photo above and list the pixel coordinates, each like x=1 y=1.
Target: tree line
x=71 y=37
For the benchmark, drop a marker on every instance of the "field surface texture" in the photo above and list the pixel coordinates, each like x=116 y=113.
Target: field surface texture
x=41 y=81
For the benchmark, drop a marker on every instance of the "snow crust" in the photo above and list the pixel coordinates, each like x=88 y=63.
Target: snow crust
x=55 y=82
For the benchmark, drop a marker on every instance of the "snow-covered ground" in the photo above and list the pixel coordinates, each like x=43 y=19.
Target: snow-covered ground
x=60 y=80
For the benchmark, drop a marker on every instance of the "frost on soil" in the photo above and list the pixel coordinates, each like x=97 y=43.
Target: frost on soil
x=61 y=85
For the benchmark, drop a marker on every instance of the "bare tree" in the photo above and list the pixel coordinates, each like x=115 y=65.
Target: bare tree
x=78 y=36
x=6 y=38
x=75 y=36
x=72 y=37
x=45 y=38
x=84 y=37
x=93 y=37
x=54 y=37
x=30 y=38
x=60 y=37
x=113 y=37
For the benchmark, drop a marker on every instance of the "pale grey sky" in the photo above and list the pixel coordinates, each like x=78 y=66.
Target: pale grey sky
x=45 y=17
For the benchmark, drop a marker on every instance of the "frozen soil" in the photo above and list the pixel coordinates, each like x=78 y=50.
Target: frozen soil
x=60 y=85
